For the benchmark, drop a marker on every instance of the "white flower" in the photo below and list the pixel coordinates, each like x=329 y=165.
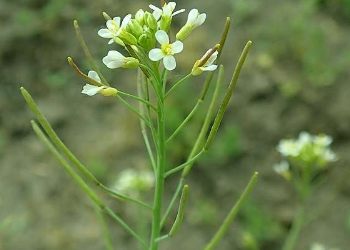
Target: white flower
x=167 y=10
x=134 y=182
x=114 y=28
x=304 y=139
x=281 y=167
x=318 y=246
x=329 y=155
x=195 y=19
x=322 y=140
x=288 y=147
x=92 y=90
x=114 y=60
x=167 y=50
x=208 y=65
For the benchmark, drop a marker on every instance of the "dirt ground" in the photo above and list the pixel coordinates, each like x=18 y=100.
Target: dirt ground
x=277 y=97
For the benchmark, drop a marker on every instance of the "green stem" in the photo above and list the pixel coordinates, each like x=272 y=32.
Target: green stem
x=296 y=228
x=138 y=99
x=132 y=109
x=232 y=214
x=59 y=144
x=105 y=231
x=82 y=184
x=207 y=121
x=182 y=166
x=159 y=189
x=143 y=125
x=190 y=115
x=87 y=53
x=172 y=202
x=178 y=84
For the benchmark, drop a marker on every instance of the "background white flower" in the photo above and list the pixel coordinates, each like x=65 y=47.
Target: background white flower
x=167 y=50
x=288 y=147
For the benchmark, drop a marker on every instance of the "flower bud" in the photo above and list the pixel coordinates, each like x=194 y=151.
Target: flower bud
x=127 y=38
x=139 y=16
x=109 y=91
x=150 y=21
x=131 y=63
x=135 y=28
x=184 y=32
x=165 y=23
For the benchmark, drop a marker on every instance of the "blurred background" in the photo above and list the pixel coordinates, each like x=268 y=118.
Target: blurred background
x=296 y=79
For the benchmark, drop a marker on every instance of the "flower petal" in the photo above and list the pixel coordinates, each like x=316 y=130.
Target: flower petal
x=115 y=55
x=111 y=41
x=192 y=16
x=162 y=37
x=178 y=12
x=93 y=75
x=117 y=20
x=91 y=90
x=171 y=5
x=152 y=7
x=126 y=20
x=212 y=58
x=105 y=33
x=209 y=68
x=200 y=20
x=169 y=62
x=155 y=55
x=177 y=47
x=157 y=14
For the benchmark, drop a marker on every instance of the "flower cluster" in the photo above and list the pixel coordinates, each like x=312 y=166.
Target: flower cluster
x=133 y=182
x=139 y=34
x=308 y=151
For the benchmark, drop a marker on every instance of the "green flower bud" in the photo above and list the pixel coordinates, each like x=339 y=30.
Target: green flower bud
x=109 y=91
x=135 y=28
x=165 y=23
x=150 y=21
x=140 y=14
x=131 y=63
x=127 y=38
x=184 y=32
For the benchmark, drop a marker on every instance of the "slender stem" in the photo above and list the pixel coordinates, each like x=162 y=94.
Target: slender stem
x=132 y=109
x=164 y=77
x=161 y=238
x=138 y=99
x=87 y=53
x=178 y=84
x=207 y=121
x=227 y=98
x=190 y=115
x=105 y=231
x=82 y=184
x=158 y=197
x=232 y=214
x=182 y=166
x=172 y=202
x=59 y=144
x=143 y=125
x=296 y=228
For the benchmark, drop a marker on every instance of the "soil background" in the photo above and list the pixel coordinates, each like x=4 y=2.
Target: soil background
x=296 y=78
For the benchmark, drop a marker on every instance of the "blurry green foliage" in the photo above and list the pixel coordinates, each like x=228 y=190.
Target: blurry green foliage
x=206 y=213
x=259 y=227
x=98 y=167
x=55 y=80
x=2 y=141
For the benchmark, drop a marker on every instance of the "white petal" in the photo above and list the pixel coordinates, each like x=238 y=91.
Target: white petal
x=167 y=10
x=113 y=54
x=212 y=58
x=209 y=68
x=162 y=37
x=172 y=5
x=177 y=47
x=192 y=15
x=178 y=12
x=200 y=20
x=105 y=33
x=155 y=55
x=169 y=62
x=126 y=20
x=154 y=7
x=117 y=20
x=91 y=90
x=111 y=41
x=157 y=14
x=93 y=75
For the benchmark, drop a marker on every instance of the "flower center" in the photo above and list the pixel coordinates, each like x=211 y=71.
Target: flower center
x=166 y=49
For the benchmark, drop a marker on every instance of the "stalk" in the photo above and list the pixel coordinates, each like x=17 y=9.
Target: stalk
x=159 y=190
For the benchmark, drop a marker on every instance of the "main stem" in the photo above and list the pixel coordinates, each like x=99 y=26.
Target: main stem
x=158 y=197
